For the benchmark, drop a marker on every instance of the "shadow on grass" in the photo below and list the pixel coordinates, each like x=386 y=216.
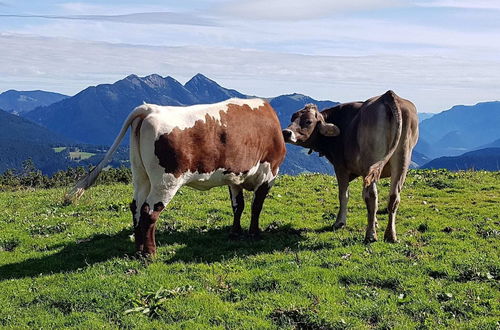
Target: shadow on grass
x=73 y=256
x=213 y=245
x=197 y=245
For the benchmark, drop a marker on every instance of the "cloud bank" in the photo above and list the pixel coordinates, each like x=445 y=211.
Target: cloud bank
x=433 y=83
x=298 y=9
x=134 y=18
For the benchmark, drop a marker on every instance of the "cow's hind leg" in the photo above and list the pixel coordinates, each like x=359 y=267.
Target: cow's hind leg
x=398 y=175
x=140 y=181
x=238 y=204
x=258 y=201
x=159 y=197
x=141 y=191
x=371 y=200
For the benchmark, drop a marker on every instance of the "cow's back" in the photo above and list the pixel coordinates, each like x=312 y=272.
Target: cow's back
x=230 y=141
x=373 y=129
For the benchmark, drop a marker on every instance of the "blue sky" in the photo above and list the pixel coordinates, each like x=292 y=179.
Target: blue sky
x=437 y=53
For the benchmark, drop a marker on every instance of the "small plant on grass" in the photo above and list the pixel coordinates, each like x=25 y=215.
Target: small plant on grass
x=151 y=304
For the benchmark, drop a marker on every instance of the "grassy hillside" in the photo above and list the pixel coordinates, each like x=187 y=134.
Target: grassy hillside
x=72 y=265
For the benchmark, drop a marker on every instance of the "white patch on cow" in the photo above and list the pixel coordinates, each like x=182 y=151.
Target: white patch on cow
x=292 y=138
x=257 y=175
x=165 y=118
x=140 y=177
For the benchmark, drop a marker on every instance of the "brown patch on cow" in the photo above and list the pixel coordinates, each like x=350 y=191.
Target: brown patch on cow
x=145 y=232
x=157 y=208
x=242 y=138
x=145 y=209
x=133 y=207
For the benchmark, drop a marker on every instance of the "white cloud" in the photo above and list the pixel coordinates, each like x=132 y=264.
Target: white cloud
x=463 y=4
x=134 y=18
x=81 y=8
x=433 y=83
x=351 y=49
x=299 y=9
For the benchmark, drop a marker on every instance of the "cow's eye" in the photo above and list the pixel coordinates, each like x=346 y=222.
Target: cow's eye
x=308 y=122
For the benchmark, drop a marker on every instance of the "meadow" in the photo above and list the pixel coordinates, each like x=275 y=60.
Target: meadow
x=74 y=266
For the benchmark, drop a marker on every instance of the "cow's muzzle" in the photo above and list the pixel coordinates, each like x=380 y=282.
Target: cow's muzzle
x=289 y=136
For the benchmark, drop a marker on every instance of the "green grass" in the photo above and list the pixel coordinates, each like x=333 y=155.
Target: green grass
x=81 y=155
x=72 y=266
x=59 y=149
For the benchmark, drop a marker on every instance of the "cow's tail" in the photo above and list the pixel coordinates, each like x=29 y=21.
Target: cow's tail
x=77 y=191
x=390 y=100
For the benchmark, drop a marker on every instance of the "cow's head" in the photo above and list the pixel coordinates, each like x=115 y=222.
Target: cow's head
x=307 y=124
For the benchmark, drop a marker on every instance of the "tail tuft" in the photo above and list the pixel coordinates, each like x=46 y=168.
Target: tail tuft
x=374 y=173
x=79 y=189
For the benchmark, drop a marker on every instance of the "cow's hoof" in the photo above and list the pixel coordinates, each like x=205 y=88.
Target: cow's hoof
x=390 y=238
x=370 y=239
x=254 y=235
x=138 y=254
x=148 y=253
x=338 y=225
x=235 y=234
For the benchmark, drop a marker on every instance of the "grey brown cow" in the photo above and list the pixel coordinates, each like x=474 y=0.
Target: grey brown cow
x=373 y=139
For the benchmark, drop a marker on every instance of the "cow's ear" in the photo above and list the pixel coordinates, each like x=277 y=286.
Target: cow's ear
x=328 y=129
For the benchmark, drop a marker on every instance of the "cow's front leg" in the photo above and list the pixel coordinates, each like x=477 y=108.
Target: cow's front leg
x=258 y=200
x=343 y=181
x=238 y=204
x=371 y=200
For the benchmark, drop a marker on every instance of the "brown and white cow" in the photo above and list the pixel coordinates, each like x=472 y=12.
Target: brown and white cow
x=237 y=143
x=372 y=139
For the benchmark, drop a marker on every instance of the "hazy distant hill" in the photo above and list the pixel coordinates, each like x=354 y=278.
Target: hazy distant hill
x=494 y=144
x=483 y=159
x=418 y=159
x=23 y=101
x=21 y=139
x=286 y=105
x=461 y=128
x=424 y=115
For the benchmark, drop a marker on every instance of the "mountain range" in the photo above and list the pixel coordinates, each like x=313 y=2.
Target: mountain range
x=483 y=159
x=20 y=102
x=95 y=115
x=460 y=129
